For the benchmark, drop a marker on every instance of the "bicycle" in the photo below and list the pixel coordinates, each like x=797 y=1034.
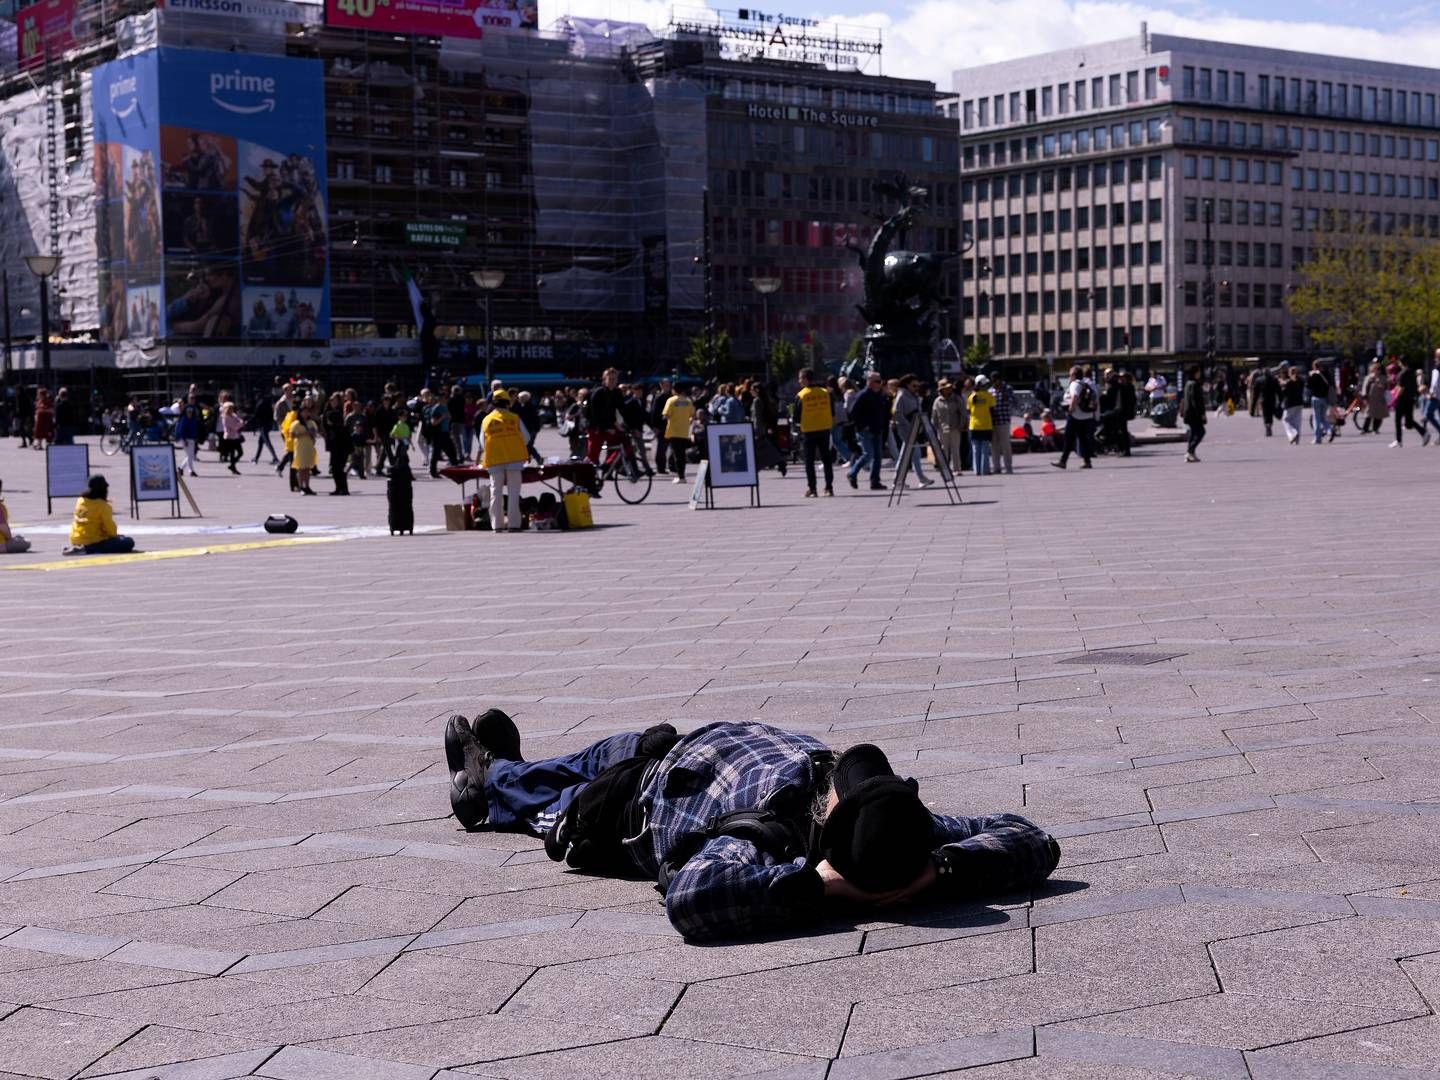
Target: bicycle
x=118 y=437
x=618 y=464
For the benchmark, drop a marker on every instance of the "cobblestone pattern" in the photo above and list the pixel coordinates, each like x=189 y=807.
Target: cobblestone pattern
x=224 y=841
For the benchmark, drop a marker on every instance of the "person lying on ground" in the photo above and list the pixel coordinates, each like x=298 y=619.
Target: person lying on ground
x=746 y=829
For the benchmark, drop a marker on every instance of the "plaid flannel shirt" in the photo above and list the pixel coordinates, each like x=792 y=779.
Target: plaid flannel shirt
x=730 y=888
x=1004 y=408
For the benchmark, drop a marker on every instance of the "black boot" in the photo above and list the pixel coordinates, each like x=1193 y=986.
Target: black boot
x=497 y=733
x=467 y=761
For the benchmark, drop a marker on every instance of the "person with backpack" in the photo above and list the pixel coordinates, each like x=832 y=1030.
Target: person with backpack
x=745 y=828
x=1082 y=404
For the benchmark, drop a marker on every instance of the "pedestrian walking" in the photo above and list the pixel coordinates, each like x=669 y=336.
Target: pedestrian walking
x=1431 y=413
x=232 y=428
x=903 y=413
x=1319 y=388
x=816 y=421
x=1192 y=412
x=1407 y=394
x=262 y=423
x=1292 y=402
x=1375 y=394
x=187 y=434
x=1082 y=404
x=303 y=433
x=677 y=413
x=870 y=413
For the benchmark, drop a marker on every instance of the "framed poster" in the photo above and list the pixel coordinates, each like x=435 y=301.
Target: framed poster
x=731 y=452
x=153 y=474
x=67 y=472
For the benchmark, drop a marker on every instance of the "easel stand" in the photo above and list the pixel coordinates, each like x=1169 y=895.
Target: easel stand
x=154 y=477
x=702 y=495
x=942 y=466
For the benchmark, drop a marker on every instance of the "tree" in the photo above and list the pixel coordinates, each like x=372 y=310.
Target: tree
x=855 y=349
x=784 y=358
x=712 y=358
x=977 y=354
x=1359 y=286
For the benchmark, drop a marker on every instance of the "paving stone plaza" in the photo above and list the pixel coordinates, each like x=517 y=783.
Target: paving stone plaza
x=225 y=841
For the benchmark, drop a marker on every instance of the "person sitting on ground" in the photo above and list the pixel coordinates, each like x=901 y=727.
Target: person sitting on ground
x=1025 y=432
x=746 y=829
x=1048 y=433
x=11 y=542
x=93 y=530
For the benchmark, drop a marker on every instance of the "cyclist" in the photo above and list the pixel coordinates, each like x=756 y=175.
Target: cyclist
x=603 y=411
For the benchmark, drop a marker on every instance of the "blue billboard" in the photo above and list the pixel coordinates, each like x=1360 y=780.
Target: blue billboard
x=236 y=159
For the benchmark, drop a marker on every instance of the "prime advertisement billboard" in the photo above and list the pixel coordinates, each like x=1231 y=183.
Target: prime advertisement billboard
x=434 y=18
x=213 y=197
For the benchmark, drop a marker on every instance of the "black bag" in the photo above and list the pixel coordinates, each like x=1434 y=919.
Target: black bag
x=281 y=523
x=1085 y=399
x=590 y=834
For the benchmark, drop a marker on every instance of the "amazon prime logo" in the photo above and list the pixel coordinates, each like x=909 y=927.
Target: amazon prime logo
x=248 y=85
x=124 y=98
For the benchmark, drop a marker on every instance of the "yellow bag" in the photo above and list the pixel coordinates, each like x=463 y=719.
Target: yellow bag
x=577 y=511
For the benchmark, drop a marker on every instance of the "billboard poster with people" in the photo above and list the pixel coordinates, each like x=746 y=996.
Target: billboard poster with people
x=229 y=171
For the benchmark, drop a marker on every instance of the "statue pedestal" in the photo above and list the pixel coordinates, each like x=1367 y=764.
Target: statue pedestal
x=894 y=355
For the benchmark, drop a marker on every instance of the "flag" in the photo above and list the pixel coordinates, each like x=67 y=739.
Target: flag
x=416 y=300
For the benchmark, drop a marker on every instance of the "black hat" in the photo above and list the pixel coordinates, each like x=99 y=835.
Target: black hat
x=97 y=487
x=879 y=835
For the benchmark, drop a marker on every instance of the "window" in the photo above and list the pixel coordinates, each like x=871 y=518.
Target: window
x=1188 y=166
x=1132 y=87
x=344 y=169
x=456 y=176
x=1192 y=293
x=1187 y=82
x=1152 y=84
x=1114 y=98
x=1203 y=86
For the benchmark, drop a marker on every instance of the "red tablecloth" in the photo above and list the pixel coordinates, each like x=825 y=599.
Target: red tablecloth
x=579 y=473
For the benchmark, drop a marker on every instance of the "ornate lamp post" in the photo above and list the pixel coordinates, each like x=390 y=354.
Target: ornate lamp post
x=488 y=281
x=765 y=284
x=44 y=267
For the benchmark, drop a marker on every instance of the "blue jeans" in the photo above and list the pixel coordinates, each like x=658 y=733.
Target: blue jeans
x=980 y=452
x=1321 y=409
x=869 y=455
x=842 y=452
x=530 y=796
x=1432 y=414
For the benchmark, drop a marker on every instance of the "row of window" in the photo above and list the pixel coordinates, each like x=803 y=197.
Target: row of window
x=1135 y=134
x=811 y=188
x=1310 y=96
x=1044 y=181
x=1078 y=342
x=1240 y=294
x=1141 y=211
x=816 y=97
x=1100 y=257
x=1246 y=336
x=1064 y=301
x=421 y=175
x=1026 y=106
x=823 y=145
x=1317 y=140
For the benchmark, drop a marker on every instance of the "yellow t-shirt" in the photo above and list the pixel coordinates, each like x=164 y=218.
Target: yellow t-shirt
x=93 y=522
x=501 y=441
x=815 y=412
x=981 y=402
x=678 y=413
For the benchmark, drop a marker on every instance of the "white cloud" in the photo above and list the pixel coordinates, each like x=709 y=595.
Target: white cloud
x=931 y=38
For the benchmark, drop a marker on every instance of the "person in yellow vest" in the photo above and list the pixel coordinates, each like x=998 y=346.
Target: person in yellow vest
x=504 y=444
x=817 y=417
x=678 y=412
x=93 y=530
x=288 y=437
x=11 y=542
x=982 y=424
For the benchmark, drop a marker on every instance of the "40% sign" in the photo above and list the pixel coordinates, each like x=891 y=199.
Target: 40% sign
x=360 y=9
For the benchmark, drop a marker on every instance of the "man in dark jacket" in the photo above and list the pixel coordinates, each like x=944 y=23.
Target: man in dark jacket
x=1192 y=411
x=1267 y=391
x=633 y=413
x=746 y=829
x=338 y=443
x=657 y=423
x=870 y=413
x=382 y=422
x=602 y=412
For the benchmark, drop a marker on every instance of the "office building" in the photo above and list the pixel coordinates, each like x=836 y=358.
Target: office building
x=1139 y=199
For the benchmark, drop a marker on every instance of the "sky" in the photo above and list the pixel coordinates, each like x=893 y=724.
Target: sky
x=929 y=39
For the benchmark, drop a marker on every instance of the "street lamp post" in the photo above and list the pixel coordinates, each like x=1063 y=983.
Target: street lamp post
x=488 y=281
x=765 y=284
x=43 y=267
x=5 y=287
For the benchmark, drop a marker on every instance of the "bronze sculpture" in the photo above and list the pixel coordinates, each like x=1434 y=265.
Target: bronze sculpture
x=902 y=292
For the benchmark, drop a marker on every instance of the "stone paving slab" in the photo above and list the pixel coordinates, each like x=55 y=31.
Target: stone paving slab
x=225 y=848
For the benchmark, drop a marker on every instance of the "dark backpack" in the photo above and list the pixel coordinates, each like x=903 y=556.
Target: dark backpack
x=1085 y=399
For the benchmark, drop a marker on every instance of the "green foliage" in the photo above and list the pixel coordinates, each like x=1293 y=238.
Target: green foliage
x=1358 y=286
x=855 y=350
x=718 y=361
x=977 y=354
x=784 y=358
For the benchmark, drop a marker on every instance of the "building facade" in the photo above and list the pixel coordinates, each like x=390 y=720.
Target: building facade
x=1153 y=200
x=592 y=167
